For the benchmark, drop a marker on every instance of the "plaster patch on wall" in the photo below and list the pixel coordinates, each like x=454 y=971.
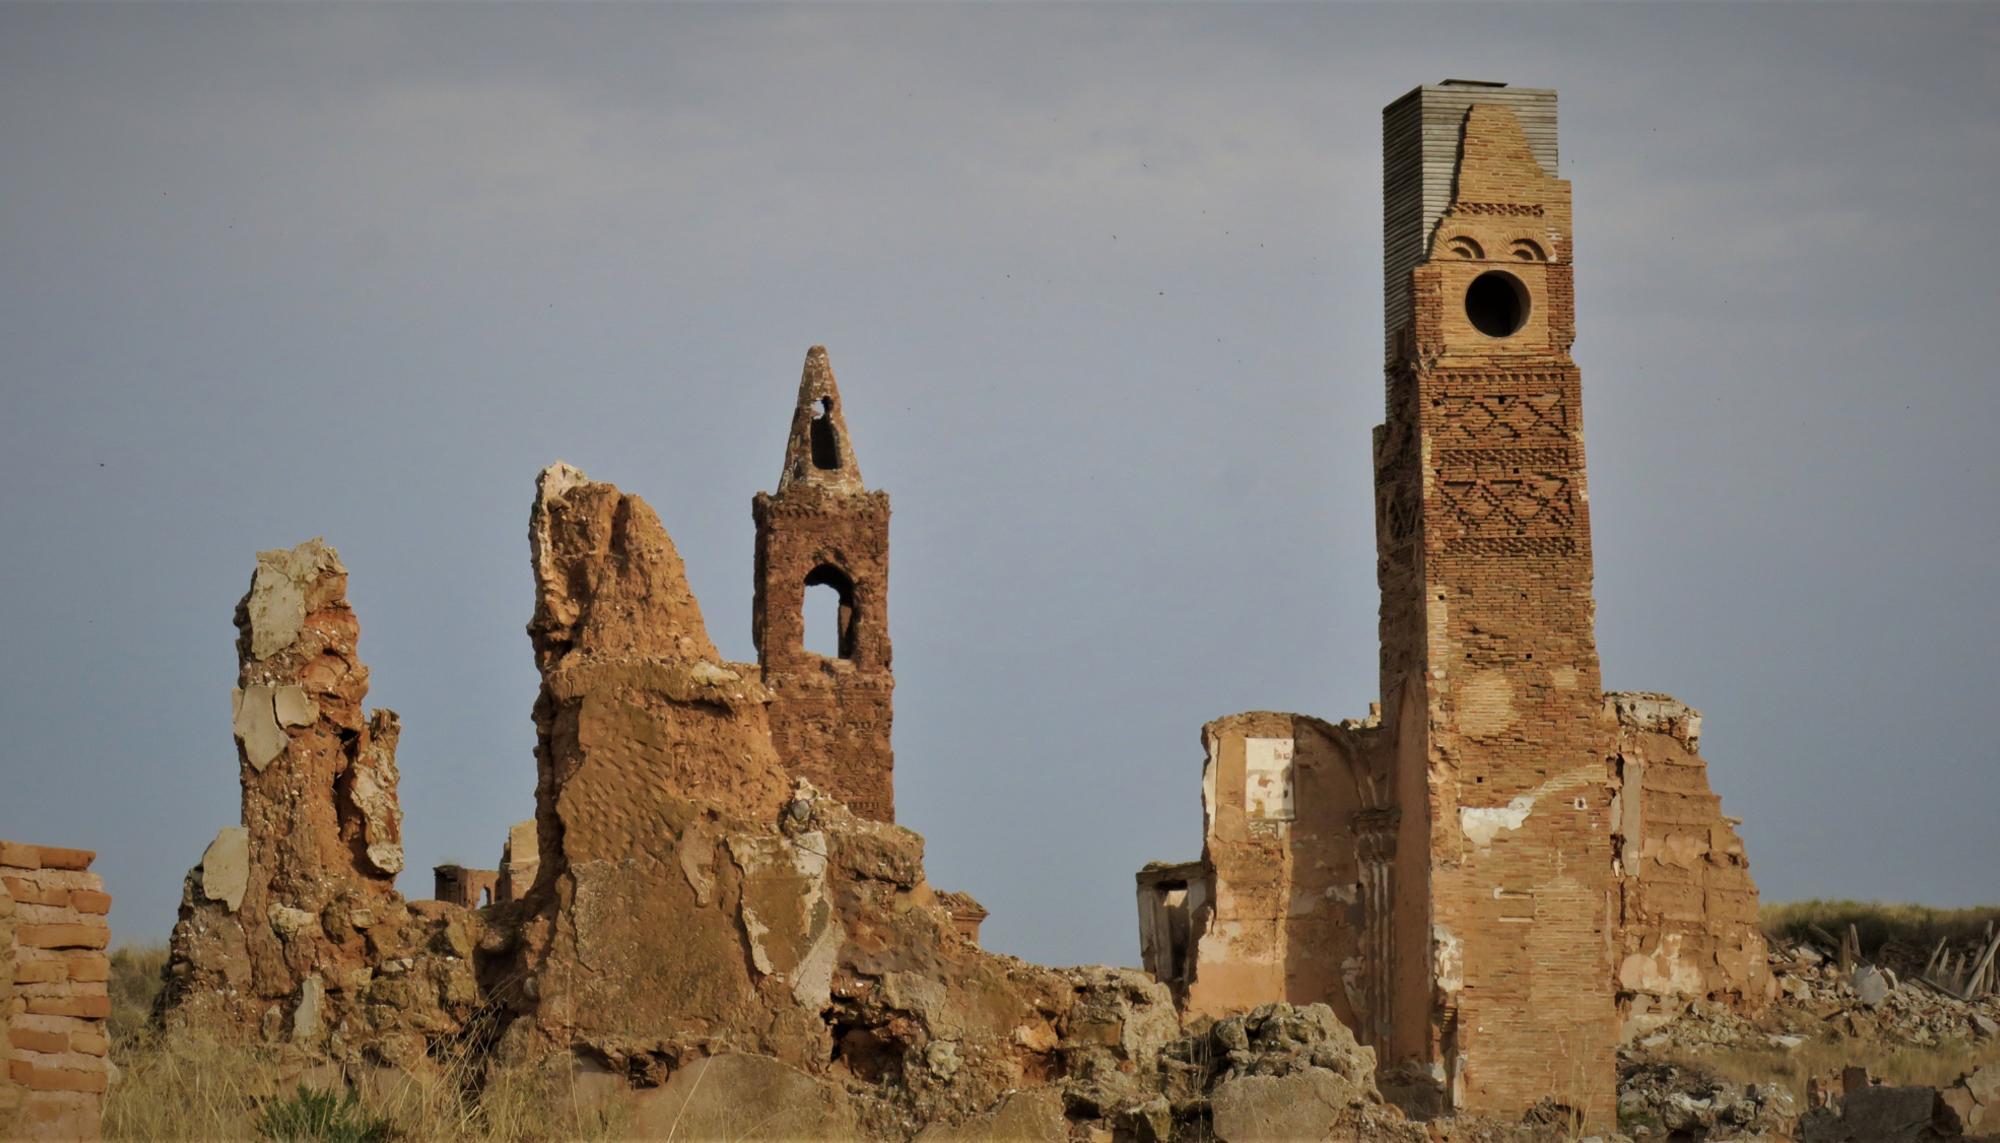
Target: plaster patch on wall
x=1447 y=959
x=1267 y=779
x=1481 y=824
x=1208 y=788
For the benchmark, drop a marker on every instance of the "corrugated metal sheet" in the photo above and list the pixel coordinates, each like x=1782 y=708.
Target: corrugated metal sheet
x=1420 y=141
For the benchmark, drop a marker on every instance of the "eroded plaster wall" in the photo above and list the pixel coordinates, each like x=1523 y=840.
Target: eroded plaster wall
x=1276 y=909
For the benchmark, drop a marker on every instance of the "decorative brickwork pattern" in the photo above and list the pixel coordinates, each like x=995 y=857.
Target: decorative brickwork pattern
x=1509 y=862
x=830 y=715
x=53 y=994
x=1487 y=632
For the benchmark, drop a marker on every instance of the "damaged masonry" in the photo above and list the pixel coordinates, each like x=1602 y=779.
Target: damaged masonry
x=1501 y=872
x=1487 y=884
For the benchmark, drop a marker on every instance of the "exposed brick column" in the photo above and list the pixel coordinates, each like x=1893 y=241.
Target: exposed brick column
x=53 y=992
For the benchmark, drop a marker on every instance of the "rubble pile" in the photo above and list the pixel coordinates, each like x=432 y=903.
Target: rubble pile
x=1680 y=1101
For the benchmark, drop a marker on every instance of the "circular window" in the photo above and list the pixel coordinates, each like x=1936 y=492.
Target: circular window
x=1497 y=303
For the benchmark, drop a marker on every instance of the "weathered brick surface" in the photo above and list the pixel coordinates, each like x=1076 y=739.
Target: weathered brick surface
x=53 y=1001
x=1687 y=908
x=830 y=716
x=1513 y=860
x=1487 y=629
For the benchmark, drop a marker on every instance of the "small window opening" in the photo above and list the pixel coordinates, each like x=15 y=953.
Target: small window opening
x=1497 y=303
x=825 y=443
x=829 y=613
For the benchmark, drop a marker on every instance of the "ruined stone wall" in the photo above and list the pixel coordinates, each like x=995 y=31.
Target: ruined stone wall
x=1278 y=909
x=1687 y=925
x=468 y=888
x=1487 y=621
x=520 y=862
x=698 y=902
x=830 y=715
x=53 y=993
x=291 y=928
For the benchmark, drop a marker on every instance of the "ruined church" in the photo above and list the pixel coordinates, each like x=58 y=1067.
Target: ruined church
x=1501 y=870
x=1464 y=900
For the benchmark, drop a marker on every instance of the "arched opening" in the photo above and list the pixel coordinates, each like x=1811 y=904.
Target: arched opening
x=829 y=613
x=825 y=442
x=1497 y=304
x=485 y=897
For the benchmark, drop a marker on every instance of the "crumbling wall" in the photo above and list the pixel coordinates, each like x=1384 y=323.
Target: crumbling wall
x=699 y=902
x=53 y=993
x=520 y=862
x=1278 y=907
x=291 y=928
x=467 y=888
x=1687 y=906
x=830 y=716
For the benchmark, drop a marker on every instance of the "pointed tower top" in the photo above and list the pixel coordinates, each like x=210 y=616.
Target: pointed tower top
x=819 y=452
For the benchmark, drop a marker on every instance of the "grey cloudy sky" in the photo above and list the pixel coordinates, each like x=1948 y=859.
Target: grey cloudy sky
x=1102 y=287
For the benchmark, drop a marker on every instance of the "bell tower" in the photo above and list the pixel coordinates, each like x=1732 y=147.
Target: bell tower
x=1489 y=669
x=830 y=714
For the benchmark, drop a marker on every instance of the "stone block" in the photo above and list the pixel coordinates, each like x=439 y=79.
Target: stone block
x=17 y=856
x=75 y=936
x=28 y=1039
x=1307 y=1104
x=30 y=891
x=40 y=971
x=55 y=857
x=90 y=901
x=67 y=1079
x=88 y=967
x=87 y=1007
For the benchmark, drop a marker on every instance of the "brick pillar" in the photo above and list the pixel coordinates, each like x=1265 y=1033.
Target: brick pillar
x=55 y=995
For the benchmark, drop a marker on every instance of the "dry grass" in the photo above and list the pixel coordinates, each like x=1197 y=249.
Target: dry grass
x=190 y=1086
x=1877 y=923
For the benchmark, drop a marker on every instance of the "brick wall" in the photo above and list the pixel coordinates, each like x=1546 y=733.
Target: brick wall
x=1487 y=629
x=53 y=992
x=831 y=716
x=1687 y=924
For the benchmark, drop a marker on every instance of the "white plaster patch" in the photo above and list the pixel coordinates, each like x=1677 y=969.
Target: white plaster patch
x=1208 y=789
x=1447 y=959
x=1481 y=824
x=1267 y=779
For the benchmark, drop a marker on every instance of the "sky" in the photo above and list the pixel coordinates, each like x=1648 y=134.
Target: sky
x=1101 y=284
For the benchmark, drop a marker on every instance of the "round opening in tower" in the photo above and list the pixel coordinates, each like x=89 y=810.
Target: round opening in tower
x=1497 y=303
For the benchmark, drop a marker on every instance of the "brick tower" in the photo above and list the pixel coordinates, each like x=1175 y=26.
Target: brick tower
x=1502 y=852
x=830 y=716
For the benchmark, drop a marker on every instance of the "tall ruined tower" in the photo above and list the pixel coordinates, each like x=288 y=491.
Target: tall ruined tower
x=830 y=716
x=1502 y=853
